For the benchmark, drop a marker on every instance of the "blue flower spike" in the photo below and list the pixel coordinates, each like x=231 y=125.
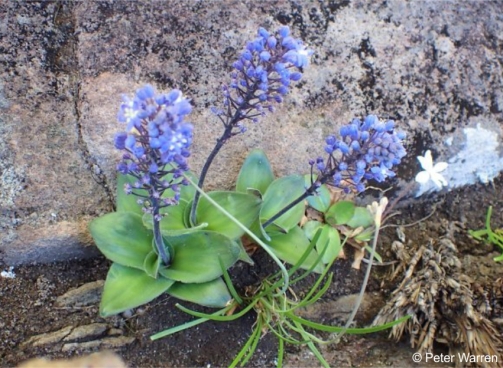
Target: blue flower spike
x=156 y=143
x=265 y=72
x=262 y=76
x=366 y=150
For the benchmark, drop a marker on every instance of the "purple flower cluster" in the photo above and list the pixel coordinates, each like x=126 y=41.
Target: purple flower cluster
x=263 y=74
x=156 y=144
x=366 y=150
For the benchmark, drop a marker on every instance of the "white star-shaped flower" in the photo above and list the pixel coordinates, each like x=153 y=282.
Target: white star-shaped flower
x=431 y=172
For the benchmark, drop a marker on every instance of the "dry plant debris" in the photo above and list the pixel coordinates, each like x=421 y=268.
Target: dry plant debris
x=446 y=305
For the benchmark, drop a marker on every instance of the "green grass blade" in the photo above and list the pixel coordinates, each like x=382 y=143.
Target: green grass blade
x=353 y=331
x=304 y=256
x=215 y=317
x=312 y=347
x=245 y=348
x=254 y=344
x=185 y=326
x=228 y=282
x=283 y=335
x=308 y=300
x=307 y=336
x=281 y=352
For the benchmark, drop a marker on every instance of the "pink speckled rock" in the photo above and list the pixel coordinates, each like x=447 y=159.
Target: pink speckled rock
x=434 y=67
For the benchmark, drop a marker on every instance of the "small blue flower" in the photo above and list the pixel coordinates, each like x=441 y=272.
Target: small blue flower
x=263 y=33
x=299 y=58
x=120 y=140
x=331 y=140
x=130 y=142
x=381 y=172
x=122 y=168
x=265 y=56
x=145 y=92
x=284 y=31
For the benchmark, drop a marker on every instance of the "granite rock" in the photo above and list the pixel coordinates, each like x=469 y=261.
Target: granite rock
x=435 y=67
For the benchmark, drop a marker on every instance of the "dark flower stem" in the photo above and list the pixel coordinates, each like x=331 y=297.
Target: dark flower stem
x=309 y=192
x=158 y=241
x=220 y=142
x=227 y=134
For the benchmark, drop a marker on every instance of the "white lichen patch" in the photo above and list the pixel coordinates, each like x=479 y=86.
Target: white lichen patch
x=479 y=159
x=8 y=274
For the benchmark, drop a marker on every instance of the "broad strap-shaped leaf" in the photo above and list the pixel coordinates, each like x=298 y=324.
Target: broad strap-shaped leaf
x=291 y=246
x=257 y=229
x=280 y=193
x=127 y=202
x=244 y=207
x=127 y=288
x=340 y=213
x=243 y=256
x=256 y=173
x=197 y=256
x=212 y=294
x=122 y=238
x=329 y=238
x=321 y=200
x=173 y=221
x=310 y=228
x=151 y=264
x=173 y=218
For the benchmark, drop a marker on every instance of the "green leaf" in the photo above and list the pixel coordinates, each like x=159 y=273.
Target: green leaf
x=361 y=217
x=256 y=173
x=244 y=207
x=243 y=256
x=122 y=238
x=186 y=215
x=197 y=256
x=365 y=235
x=174 y=217
x=310 y=228
x=212 y=294
x=377 y=256
x=173 y=223
x=280 y=193
x=291 y=246
x=331 y=236
x=173 y=220
x=320 y=201
x=257 y=229
x=340 y=213
x=125 y=202
x=151 y=264
x=127 y=288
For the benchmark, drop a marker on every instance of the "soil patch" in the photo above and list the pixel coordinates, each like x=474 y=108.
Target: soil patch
x=28 y=304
